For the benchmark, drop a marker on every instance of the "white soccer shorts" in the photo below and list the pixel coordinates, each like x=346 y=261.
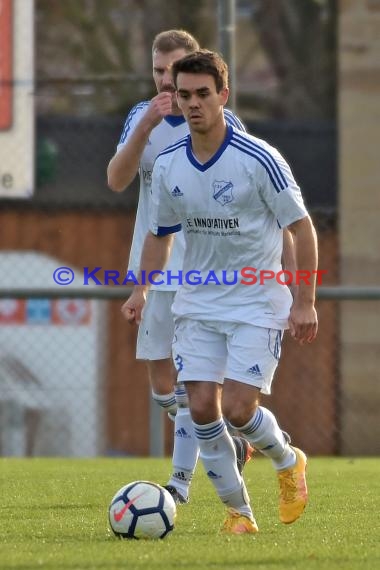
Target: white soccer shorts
x=155 y=334
x=214 y=350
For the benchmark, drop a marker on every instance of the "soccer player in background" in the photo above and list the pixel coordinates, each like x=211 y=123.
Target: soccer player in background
x=232 y=194
x=149 y=128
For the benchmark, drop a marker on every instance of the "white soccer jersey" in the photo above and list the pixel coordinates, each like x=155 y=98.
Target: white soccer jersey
x=166 y=133
x=231 y=210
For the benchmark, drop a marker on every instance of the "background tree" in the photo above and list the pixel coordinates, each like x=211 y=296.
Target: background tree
x=299 y=40
x=94 y=56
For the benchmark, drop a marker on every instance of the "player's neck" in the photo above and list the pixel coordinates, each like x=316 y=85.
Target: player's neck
x=176 y=112
x=205 y=145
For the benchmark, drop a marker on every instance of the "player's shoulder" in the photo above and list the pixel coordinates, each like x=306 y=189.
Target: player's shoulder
x=233 y=120
x=138 y=108
x=259 y=156
x=132 y=118
x=170 y=152
x=249 y=144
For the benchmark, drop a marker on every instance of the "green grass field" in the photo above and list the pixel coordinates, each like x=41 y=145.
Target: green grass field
x=54 y=516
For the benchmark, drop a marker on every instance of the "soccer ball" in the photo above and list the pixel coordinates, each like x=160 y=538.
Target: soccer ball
x=142 y=510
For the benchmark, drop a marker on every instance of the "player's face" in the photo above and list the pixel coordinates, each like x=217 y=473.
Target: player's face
x=162 y=75
x=199 y=101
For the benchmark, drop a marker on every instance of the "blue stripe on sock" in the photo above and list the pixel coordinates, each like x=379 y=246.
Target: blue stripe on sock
x=256 y=422
x=167 y=403
x=203 y=432
x=179 y=390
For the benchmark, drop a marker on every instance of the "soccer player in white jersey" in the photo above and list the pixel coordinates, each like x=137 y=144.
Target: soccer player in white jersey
x=149 y=128
x=231 y=193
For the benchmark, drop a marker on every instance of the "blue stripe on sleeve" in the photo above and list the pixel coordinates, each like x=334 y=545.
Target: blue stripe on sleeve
x=165 y=230
x=269 y=159
x=131 y=114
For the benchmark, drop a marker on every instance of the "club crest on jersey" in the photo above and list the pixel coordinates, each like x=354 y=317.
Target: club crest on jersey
x=223 y=191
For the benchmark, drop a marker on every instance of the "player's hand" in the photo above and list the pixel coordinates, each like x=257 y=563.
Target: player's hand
x=303 y=322
x=159 y=107
x=133 y=308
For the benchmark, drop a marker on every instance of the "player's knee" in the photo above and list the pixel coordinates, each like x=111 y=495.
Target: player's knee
x=204 y=411
x=239 y=413
x=204 y=401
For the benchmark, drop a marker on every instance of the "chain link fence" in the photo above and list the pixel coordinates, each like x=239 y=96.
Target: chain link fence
x=69 y=384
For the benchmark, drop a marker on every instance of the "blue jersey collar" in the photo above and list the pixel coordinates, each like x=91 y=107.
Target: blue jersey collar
x=174 y=120
x=213 y=159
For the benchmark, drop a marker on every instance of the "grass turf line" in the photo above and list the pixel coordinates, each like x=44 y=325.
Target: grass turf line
x=53 y=515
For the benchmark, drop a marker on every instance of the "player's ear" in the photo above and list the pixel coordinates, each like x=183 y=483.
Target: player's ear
x=224 y=93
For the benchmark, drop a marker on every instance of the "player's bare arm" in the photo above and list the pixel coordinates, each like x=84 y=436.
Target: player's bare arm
x=289 y=259
x=124 y=165
x=155 y=254
x=303 y=321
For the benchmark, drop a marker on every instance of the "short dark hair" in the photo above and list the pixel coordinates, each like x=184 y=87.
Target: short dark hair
x=203 y=61
x=171 y=40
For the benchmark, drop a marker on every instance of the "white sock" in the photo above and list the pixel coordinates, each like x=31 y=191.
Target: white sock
x=264 y=433
x=218 y=456
x=185 y=452
x=166 y=401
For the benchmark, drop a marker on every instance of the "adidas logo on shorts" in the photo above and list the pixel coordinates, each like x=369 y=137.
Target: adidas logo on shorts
x=254 y=370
